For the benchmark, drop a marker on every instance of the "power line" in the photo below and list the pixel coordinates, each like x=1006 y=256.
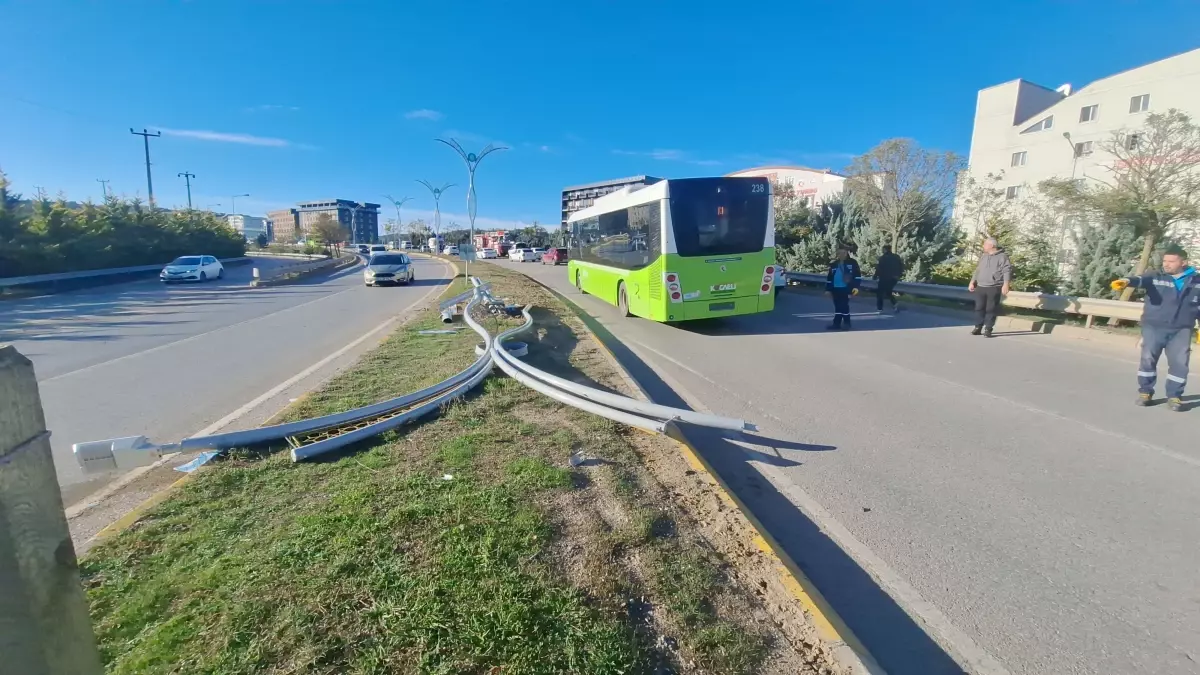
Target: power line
x=146 y=135
x=187 y=177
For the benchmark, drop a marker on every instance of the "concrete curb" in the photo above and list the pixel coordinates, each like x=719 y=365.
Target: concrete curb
x=847 y=649
x=291 y=277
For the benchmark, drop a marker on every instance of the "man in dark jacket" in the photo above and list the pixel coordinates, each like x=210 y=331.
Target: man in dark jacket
x=888 y=271
x=842 y=282
x=990 y=283
x=1168 y=324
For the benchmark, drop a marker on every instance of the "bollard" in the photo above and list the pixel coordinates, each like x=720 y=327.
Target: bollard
x=254 y=273
x=44 y=624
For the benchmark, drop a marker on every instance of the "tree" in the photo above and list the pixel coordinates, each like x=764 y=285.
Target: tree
x=795 y=217
x=329 y=232
x=261 y=240
x=418 y=230
x=1153 y=187
x=391 y=230
x=899 y=185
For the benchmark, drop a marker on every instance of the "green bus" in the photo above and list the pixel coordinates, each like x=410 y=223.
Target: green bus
x=678 y=249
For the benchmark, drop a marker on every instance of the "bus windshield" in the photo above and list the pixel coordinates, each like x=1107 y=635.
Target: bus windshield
x=719 y=216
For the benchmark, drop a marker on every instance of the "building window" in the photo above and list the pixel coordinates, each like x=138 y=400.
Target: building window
x=1139 y=104
x=1132 y=141
x=1083 y=148
x=1088 y=113
x=1018 y=158
x=1041 y=125
x=1012 y=192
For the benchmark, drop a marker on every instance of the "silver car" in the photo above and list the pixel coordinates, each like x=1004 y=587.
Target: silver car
x=388 y=268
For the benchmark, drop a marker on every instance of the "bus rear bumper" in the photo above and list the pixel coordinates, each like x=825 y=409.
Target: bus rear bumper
x=719 y=307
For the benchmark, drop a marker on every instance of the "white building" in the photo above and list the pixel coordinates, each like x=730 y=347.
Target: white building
x=815 y=185
x=1030 y=133
x=249 y=226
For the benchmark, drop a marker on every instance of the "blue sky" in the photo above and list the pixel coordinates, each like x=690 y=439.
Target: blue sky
x=297 y=100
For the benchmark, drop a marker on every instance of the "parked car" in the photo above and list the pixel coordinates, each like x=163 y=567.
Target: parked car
x=450 y=250
x=192 y=268
x=522 y=255
x=539 y=251
x=555 y=256
x=388 y=268
x=489 y=253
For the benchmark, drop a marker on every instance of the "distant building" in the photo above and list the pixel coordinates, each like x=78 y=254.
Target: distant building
x=1029 y=133
x=360 y=220
x=250 y=227
x=812 y=185
x=579 y=197
x=284 y=225
x=489 y=239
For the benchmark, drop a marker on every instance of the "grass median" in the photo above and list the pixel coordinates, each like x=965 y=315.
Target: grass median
x=464 y=544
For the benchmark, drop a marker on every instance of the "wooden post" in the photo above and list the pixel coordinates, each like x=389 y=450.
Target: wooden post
x=44 y=624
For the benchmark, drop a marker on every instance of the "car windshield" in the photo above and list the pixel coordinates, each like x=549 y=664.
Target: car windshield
x=387 y=260
x=187 y=261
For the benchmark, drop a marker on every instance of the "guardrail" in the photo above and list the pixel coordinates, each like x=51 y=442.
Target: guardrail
x=1045 y=302
x=42 y=279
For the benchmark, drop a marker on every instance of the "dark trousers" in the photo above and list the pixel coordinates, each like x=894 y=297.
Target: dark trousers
x=987 y=301
x=1177 y=343
x=885 y=289
x=841 y=306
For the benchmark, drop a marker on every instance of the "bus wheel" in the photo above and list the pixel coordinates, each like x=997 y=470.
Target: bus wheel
x=622 y=300
x=579 y=284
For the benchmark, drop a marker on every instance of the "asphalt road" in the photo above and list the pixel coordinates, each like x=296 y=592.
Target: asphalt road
x=169 y=361
x=1003 y=496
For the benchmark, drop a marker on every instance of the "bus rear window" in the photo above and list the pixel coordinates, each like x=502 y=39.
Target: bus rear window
x=719 y=216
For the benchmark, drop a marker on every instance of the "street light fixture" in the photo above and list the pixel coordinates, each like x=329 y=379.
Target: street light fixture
x=398 y=203
x=354 y=207
x=233 y=202
x=437 y=204
x=472 y=161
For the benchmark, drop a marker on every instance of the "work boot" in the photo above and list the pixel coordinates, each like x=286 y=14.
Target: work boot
x=1175 y=405
x=1143 y=400
x=833 y=326
x=987 y=332
x=977 y=331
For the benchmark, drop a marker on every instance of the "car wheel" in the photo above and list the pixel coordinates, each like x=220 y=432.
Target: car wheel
x=203 y=277
x=221 y=273
x=622 y=300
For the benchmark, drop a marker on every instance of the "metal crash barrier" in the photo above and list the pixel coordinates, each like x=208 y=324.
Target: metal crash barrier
x=319 y=435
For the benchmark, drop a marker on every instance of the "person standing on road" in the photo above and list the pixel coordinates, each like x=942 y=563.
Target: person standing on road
x=1168 y=324
x=888 y=271
x=842 y=282
x=990 y=283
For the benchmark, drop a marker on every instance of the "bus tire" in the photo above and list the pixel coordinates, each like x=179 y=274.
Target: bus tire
x=622 y=300
x=579 y=284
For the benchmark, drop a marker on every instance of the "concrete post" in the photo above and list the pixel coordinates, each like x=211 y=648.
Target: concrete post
x=44 y=624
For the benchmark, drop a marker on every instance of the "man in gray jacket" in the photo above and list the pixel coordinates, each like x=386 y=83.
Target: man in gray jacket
x=990 y=283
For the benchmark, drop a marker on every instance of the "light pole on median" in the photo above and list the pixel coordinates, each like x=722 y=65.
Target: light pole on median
x=398 y=203
x=437 y=204
x=472 y=161
x=233 y=202
x=354 y=207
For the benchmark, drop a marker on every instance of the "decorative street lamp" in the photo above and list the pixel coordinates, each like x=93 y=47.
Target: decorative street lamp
x=354 y=207
x=472 y=161
x=398 y=204
x=437 y=204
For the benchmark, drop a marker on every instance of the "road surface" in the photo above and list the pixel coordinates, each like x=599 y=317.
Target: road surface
x=169 y=361
x=1003 y=495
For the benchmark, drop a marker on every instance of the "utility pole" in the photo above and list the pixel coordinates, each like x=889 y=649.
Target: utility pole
x=233 y=202
x=146 y=136
x=187 y=177
x=103 y=187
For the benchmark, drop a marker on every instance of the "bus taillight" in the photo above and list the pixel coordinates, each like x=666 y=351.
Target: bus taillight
x=674 y=291
x=768 y=279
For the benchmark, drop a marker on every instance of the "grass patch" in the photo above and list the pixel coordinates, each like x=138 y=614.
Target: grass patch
x=466 y=544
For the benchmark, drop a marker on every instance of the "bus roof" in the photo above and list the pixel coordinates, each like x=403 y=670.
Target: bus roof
x=635 y=195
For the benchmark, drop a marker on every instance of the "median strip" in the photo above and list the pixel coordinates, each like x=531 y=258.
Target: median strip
x=510 y=534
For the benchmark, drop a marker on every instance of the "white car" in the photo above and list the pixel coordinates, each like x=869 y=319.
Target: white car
x=450 y=250
x=538 y=251
x=489 y=253
x=192 y=268
x=521 y=255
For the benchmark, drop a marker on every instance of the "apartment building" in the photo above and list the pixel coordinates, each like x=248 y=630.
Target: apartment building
x=284 y=225
x=1028 y=133
x=249 y=227
x=814 y=186
x=579 y=197
x=360 y=220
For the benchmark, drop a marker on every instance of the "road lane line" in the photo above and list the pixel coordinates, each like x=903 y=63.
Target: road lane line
x=188 y=339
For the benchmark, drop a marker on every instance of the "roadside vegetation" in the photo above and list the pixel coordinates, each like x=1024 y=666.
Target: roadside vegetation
x=44 y=236
x=470 y=543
